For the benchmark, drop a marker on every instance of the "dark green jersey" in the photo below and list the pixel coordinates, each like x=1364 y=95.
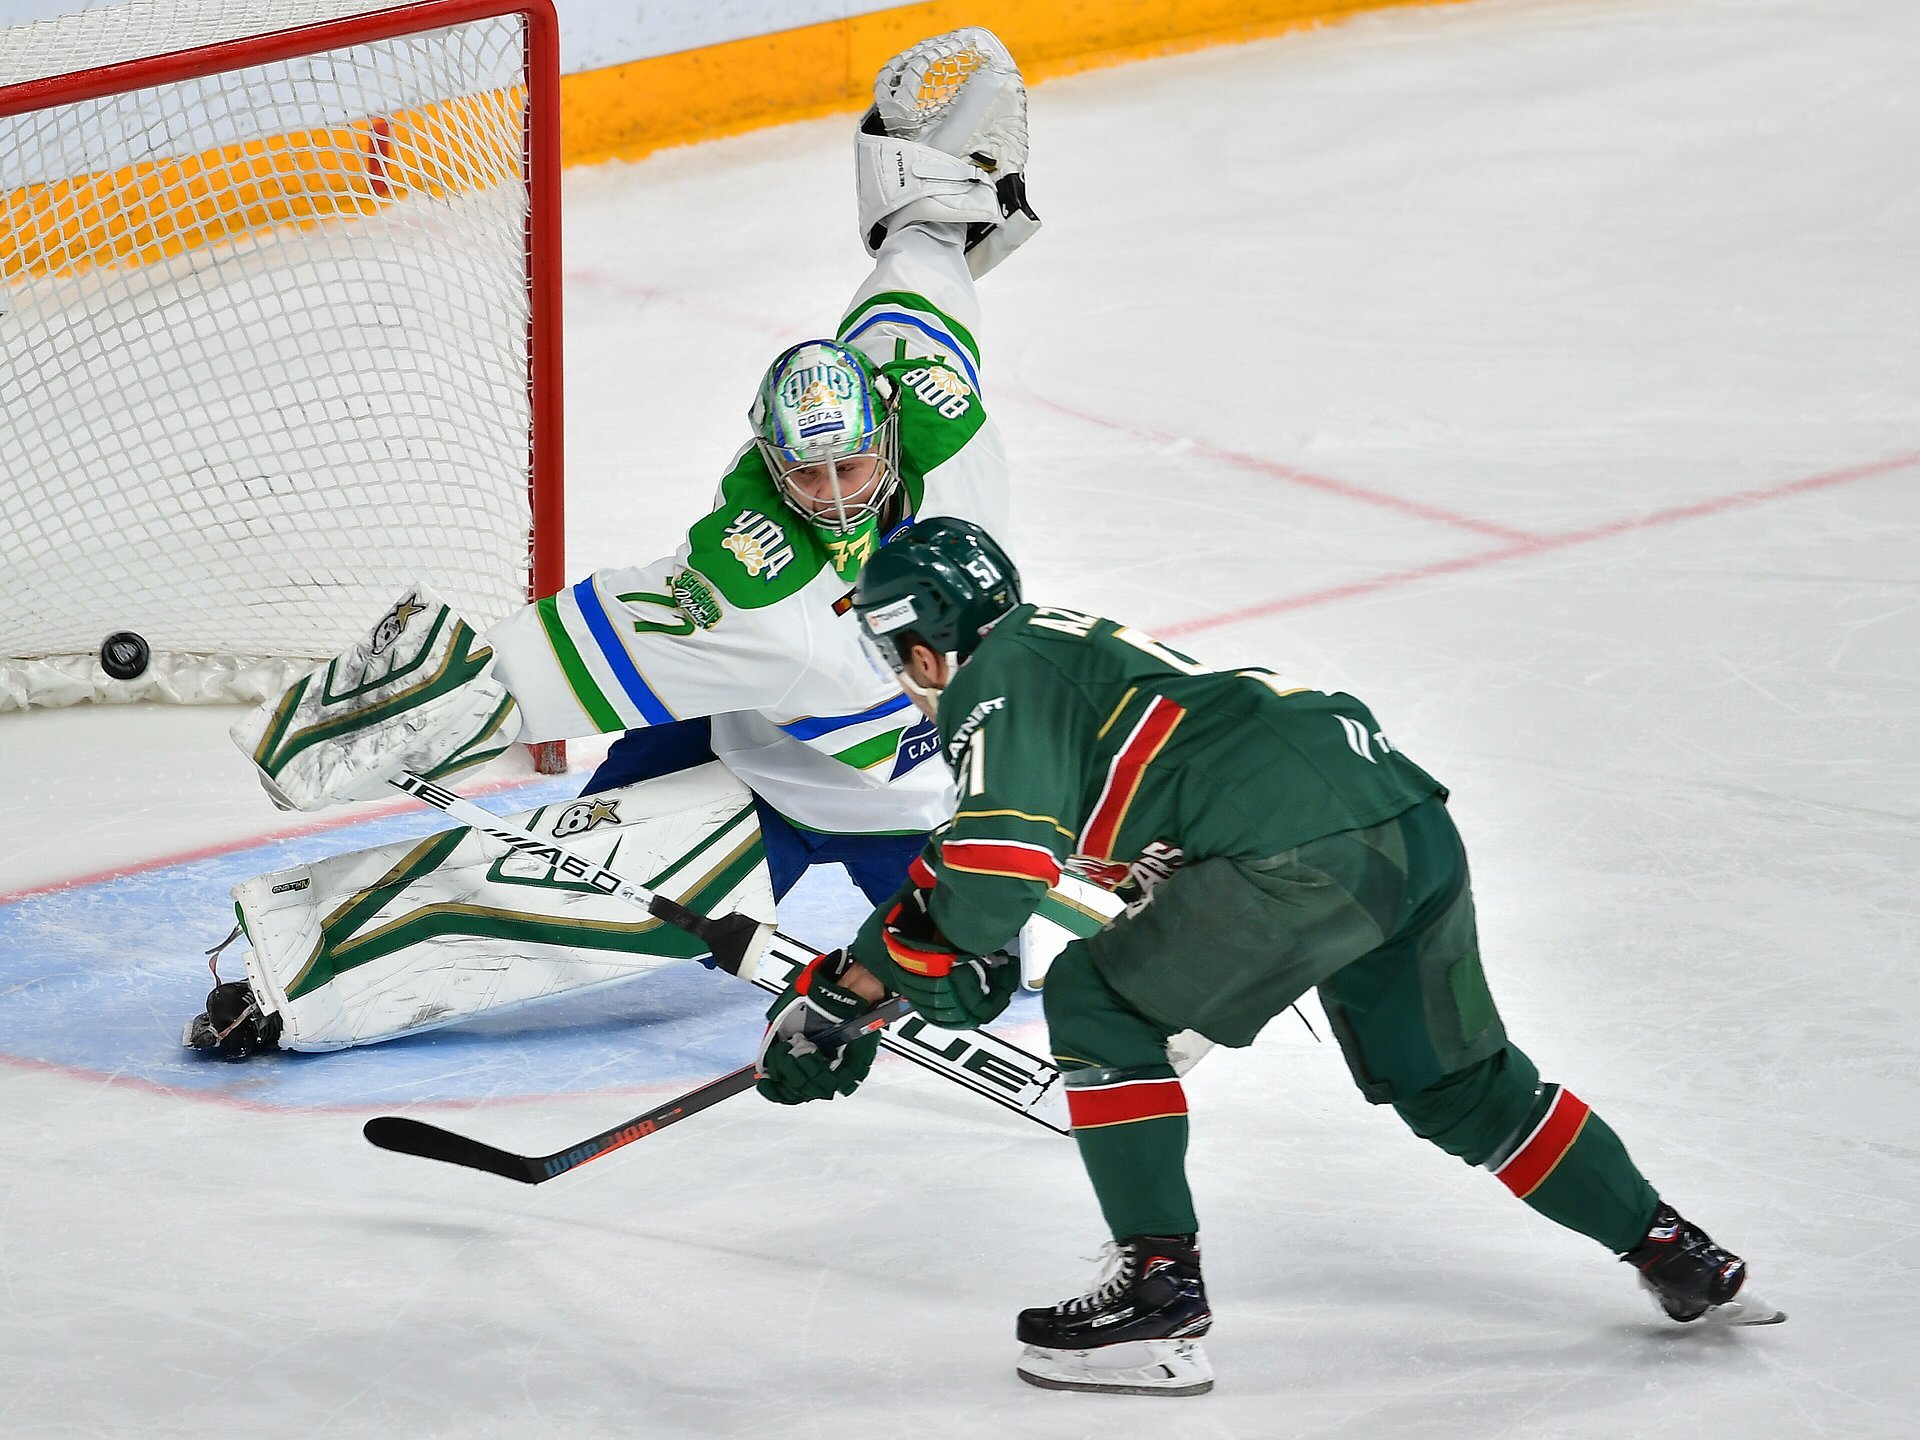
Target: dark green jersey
x=1070 y=735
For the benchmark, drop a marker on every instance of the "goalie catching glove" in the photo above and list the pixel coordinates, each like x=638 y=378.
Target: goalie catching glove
x=794 y=1070
x=907 y=953
x=417 y=694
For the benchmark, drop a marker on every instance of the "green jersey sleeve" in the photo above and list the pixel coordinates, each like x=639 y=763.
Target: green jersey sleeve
x=1014 y=734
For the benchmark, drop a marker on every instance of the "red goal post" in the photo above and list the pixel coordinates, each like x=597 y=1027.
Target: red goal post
x=279 y=332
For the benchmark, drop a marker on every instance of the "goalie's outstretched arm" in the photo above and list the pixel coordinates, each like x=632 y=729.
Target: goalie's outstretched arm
x=634 y=646
x=422 y=692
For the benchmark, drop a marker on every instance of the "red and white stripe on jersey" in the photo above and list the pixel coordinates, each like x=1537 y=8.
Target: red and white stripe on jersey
x=921 y=873
x=1124 y=1103
x=1016 y=859
x=1129 y=766
x=1527 y=1168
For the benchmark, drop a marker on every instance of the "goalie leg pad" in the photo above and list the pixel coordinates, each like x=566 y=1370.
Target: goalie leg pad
x=419 y=934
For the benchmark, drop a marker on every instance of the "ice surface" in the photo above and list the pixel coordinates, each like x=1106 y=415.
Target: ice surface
x=1545 y=372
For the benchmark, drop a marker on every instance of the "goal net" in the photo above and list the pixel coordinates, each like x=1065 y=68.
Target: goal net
x=278 y=332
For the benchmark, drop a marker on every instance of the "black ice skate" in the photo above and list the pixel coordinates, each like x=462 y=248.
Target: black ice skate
x=232 y=1024
x=1135 y=1333
x=1691 y=1278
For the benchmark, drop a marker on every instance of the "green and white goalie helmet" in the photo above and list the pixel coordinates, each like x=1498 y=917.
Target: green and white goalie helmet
x=826 y=426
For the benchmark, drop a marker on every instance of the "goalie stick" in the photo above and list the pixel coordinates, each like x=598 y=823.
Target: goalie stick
x=430 y=1142
x=977 y=1060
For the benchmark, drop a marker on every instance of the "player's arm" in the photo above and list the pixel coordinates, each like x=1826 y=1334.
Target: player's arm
x=948 y=438
x=630 y=647
x=918 y=303
x=942 y=194
x=1014 y=740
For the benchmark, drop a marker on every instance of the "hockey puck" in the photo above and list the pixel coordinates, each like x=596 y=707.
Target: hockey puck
x=124 y=655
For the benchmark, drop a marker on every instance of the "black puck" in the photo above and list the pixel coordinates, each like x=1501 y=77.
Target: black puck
x=124 y=655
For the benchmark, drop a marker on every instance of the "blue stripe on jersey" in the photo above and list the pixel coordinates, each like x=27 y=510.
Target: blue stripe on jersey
x=815 y=726
x=900 y=317
x=621 y=663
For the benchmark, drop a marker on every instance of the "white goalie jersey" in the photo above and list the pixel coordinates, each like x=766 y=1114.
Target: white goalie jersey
x=749 y=620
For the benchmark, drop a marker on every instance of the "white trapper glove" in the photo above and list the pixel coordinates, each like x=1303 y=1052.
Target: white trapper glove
x=417 y=693
x=946 y=142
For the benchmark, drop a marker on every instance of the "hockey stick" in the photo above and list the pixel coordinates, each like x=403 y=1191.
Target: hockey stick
x=430 y=1142
x=733 y=939
x=976 y=1060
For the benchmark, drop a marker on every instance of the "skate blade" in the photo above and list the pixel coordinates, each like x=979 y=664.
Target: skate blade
x=1743 y=1309
x=1145 y=1367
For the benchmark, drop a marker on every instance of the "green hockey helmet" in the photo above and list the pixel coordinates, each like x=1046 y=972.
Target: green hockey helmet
x=826 y=425
x=941 y=582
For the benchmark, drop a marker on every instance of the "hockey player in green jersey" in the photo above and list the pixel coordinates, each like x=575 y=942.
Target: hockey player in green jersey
x=1284 y=845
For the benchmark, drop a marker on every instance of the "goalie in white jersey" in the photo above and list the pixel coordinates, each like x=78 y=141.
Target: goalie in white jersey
x=742 y=640
x=741 y=645
x=748 y=623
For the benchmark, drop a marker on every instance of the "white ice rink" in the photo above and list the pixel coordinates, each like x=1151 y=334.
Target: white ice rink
x=1547 y=372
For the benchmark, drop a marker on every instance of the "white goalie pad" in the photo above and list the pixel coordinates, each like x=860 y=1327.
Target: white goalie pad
x=419 y=934
x=899 y=182
x=1073 y=909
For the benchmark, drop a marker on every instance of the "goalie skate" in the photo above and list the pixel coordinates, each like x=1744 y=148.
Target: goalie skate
x=233 y=1024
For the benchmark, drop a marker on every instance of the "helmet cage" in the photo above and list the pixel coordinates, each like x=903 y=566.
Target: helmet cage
x=819 y=405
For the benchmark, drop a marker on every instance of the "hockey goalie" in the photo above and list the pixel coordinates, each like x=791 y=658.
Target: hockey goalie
x=757 y=739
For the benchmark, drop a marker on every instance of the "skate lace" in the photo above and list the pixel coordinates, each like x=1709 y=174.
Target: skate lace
x=1116 y=1262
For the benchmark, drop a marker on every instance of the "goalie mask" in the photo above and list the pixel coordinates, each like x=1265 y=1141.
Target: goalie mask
x=943 y=583
x=826 y=426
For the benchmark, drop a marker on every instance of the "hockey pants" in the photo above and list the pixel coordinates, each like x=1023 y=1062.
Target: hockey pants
x=1380 y=921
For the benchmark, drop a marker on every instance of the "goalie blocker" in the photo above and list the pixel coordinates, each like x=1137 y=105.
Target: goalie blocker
x=417 y=693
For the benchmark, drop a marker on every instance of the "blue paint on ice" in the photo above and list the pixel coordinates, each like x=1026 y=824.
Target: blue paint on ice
x=102 y=978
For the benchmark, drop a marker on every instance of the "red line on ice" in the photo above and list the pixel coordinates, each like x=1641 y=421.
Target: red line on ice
x=1541 y=544
x=1346 y=489
x=355 y=816
x=350 y=1107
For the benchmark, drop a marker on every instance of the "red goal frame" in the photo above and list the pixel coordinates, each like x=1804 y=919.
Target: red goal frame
x=546 y=549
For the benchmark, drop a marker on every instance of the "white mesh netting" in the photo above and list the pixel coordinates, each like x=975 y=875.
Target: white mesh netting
x=263 y=355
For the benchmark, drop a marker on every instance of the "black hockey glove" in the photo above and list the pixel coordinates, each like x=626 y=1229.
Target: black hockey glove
x=794 y=1070
x=912 y=958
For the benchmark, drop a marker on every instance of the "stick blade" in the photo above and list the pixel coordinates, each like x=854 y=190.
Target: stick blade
x=414 y=1137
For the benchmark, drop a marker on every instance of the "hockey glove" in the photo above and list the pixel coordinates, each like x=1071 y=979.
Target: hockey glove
x=793 y=1070
x=912 y=958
